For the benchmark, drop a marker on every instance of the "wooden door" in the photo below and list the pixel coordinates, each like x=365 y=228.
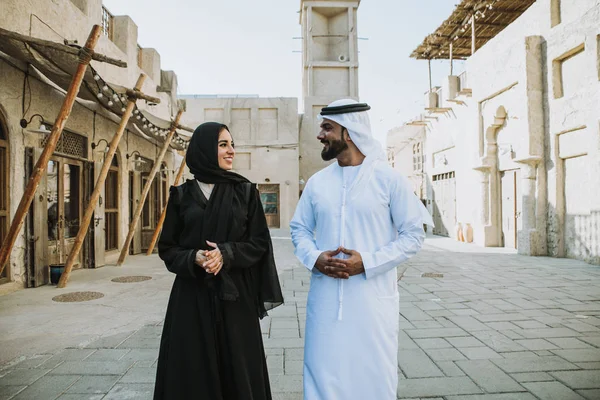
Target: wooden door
x=64 y=207
x=510 y=207
x=444 y=203
x=269 y=197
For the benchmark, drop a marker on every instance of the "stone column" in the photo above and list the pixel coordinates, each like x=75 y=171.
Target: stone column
x=529 y=236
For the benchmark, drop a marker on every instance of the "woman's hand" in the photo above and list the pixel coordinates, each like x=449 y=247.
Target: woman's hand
x=214 y=259
x=200 y=258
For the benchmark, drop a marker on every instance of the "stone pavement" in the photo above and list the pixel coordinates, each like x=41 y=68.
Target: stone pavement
x=476 y=324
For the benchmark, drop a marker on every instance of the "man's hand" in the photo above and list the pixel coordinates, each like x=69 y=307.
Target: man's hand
x=354 y=264
x=330 y=266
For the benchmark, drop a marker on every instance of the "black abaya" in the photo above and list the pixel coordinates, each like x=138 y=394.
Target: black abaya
x=211 y=346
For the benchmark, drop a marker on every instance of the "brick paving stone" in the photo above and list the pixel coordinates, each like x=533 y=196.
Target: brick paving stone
x=139 y=375
x=425 y=325
x=135 y=391
x=552 y=391
x=532 y=377
x=416 y=364
x=449 y=368
x=546 y=333
x=593 y=340
x=433 y=333
x=460 y=342
x=286 y=383
x=107 y=355
x=293 y=367
x=94 y=384
x=450 y=354
x=537 y=364
x=294 y=354
x=579 y=355
x=7 y=392
x=479 y=353
x=18 y=377
x=469 y=323
x=67 y=355
x=588 y=365
x=501 y=317
x=109 y=342
x=92 y=368
x=33 y=362
x=579 y=379
x=428 y=387
x=81 y=396
x=284 y=333
x=500 y=396
x=47 y=387
x=593 y=394
x=435 y=343
x=501 y=326
x=536 y=344
x=284 y=323
x=489 y=377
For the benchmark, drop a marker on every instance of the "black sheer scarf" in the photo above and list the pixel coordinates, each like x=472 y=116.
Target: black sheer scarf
x=227 y=200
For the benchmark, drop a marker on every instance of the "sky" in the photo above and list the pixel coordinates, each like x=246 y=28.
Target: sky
x=248 y=47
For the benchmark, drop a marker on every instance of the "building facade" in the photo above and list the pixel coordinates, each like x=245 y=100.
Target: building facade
x=513 y=143
x=330 y=70
x=265 y=133
x=61 y=198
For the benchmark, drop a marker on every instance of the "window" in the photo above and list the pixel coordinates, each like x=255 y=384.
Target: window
x=418 y=157
x=107 y=23
x=111 y=208
x=569 y=72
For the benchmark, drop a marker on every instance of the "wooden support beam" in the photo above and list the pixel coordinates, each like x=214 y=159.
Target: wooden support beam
x=429 y=66
x=140 y=206
x=60 y=47
x=451 y=59
x=89 y=211
x=161 y=220
x=473 y=36
x=42 y=163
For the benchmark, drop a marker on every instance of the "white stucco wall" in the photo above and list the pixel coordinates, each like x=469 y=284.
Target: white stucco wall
x=516 y=73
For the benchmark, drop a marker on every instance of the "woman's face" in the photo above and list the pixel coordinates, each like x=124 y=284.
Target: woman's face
x=226 y=151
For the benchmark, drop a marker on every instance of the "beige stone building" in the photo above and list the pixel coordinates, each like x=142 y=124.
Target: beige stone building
x=265 y=132
x=330 y=69
x=25 y=93
x=512 y=145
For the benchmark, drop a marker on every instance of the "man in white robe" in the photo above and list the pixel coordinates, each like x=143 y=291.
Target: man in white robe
x=356 y=221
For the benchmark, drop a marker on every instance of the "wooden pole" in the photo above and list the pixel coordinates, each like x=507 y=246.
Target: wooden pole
x=60 y=47
x=429 y=66
x=140 y=206
x=473 y=37
x=451 y=58
x=42 y=163
x=89 y=211
x=161 y=220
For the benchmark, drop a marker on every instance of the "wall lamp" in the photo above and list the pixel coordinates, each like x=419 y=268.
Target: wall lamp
x=94 y=145
x=42 y=129
x=136 y=160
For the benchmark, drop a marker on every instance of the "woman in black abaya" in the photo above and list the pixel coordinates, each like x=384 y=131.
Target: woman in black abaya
x=216 y=240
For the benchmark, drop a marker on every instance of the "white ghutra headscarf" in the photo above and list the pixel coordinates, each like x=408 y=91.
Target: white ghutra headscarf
x=358 y=125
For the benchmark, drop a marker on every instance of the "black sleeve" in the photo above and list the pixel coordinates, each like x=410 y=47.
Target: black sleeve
x=248 y=253
x=179 y=260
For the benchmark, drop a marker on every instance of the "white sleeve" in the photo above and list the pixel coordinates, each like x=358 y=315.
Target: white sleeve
x=302 y=228
x=408 y=219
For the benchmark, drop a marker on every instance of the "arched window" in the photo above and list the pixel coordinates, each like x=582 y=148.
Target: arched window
x=111 y=208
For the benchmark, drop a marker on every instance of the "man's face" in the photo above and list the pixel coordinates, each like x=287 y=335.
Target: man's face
x=331 y=135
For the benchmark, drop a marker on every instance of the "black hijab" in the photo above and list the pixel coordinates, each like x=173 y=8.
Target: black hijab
x=225 y=199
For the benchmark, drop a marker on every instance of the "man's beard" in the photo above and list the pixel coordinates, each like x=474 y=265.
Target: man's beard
x=334 y=149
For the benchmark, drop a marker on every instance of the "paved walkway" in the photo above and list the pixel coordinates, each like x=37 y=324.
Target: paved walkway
x=477 y=324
